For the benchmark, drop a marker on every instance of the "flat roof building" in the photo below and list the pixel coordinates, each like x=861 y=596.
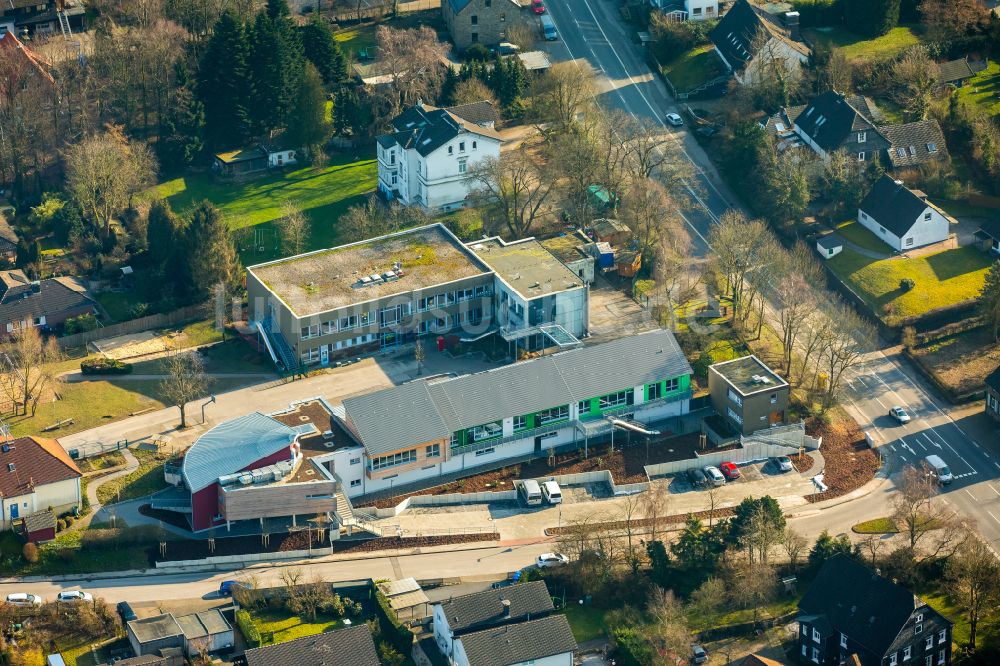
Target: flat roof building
x=526 y=267
x=154 y=633
x=748 y=394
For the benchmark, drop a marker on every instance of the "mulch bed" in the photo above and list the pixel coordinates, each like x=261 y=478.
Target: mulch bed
x=625 y=464
x=850 y=464
x=802 y=463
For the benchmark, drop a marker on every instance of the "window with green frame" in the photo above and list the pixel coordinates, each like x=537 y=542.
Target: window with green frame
x=673 y=384
x=551 y=415
x=654 y=391
x=520 y=423
x=617 y=399
x=485 y=431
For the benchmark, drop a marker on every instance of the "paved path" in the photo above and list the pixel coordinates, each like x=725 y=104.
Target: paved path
x=863 y=251
x=131 y=464
x=80 y=377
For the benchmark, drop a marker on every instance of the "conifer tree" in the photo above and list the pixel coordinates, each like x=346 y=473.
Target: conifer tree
x=182 y=135
x=225 y=86
x=209 y=256
x=322 y=50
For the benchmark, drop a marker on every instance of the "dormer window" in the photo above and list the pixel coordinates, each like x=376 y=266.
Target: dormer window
x=927 y=217
x=843 y=640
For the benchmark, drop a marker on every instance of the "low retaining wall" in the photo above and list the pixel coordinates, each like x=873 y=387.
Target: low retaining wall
x=748 y=453
x=244 y=559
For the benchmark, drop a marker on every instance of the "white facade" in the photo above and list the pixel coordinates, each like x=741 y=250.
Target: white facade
x=564 y=659
x=828 y=252
x=442 y=632
x=280 y=158
x=930 y=226
x=760 y=66
x=701 y=10
x=439 y=180
x=61 y=496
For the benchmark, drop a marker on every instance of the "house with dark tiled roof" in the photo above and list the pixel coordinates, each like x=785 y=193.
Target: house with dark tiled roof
x=988 y=235
x=40 y=16
x=36 y=474
x=8 y=239
x=955 y=72
x=901 y=217
x=352 y=646
x=545 y=642
x=752 y=43
x=479 y=21
x=44 y=304
x=427 y=158
x=850 y=610
x=468 y=613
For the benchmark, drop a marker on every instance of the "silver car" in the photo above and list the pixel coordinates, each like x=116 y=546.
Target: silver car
x=714 y=476
x=782 y=463
x=674 y=120
x=899 y=414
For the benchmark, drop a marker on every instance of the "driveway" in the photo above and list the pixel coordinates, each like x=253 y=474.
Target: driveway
x=613 y=314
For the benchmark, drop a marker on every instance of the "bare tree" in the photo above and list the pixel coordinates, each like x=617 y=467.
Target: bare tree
x=185 y=381
x=629 y=513
x=652 y=214
x=741 y=247
x=972 y=576
x=709 y=597
x=796 y=297
x=793 y=544
x=516 y=188
x=30 y=373
x=931 y=529
x=849 y=337
x=573 y=157
x=656 y=509
x=564 y=92
x=753 y=585
x=612 y=150
x=668 y=631
x=871 y=544
x=294 y=228
x=473 y=90
x=947 y=20
x=915 y=76
x=413 y=60
x=308 y=598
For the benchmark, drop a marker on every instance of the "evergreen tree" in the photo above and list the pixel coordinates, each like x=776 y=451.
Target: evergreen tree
x=348 y=113
x=826 y=547
x=322 y=50
x=182 y=134
x=451 y=79
x=209 y=256
x=307 y=124
x=225 y=87
x=988 y=302
x=871 y=18
x=164 y=233
x=28 y=252
x=275 y=66
x=277 y=8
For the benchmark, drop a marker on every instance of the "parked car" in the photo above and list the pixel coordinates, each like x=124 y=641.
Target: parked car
x=71 y=596
x=899 y=414
x=506 y=48
x=730 y=471
x=125 y=612
x=707 y=131
x=538 y=6
x=714 y=476
x=24 y=600
x=698 y=654
x=227 y=587
x=551 y=560
x=697 y=478
x=674 y=120
x=782 y=463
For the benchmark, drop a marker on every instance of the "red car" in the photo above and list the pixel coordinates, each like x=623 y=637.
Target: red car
x=730 y=471
x=537 y=6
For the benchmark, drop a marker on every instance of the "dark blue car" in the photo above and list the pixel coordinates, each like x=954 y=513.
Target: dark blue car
x=227 y=587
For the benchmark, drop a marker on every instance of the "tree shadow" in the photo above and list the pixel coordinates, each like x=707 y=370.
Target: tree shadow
x=952 y=263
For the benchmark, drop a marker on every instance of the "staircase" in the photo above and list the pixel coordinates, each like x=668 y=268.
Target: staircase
x=64 y=23
x=350 y=517
x=281 y=353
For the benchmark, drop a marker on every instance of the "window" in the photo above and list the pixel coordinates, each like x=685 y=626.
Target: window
x=843 y=640
x=881 y=230
x=310 y=331
x=393 y=179
x=919 y=629
x=356 y=461
x=489 y=3
x=310 y=355
x=929 y=643
x=805 y=651
x=486 y=431
x=892 y=659
x=906 y=653
x=616 y=399
x=734 y=416
x=927 y=217
x=349 y=322
x=901 y=152
x=940 y=657
x=805 y=629
x=474 y=38
x=774 y=398
x=355 y=483
x=861 y=156
x=485 y=452
x=583 y=407
x=816 y=636
x=864 y=215
x=913 y=150
x=463 y=166
x=942 y=635
x=815 y=656
x=654 y=391
x=735 y=397
x=931 y=147
x=862 y=137
x=461 y=146
x=474 y=19
x=473 y=145
x=503 y=16
x=451 y=150
x=432 y=451
x=909 y=242
x=520 y=422
x=393 y=459
x=928 y=660
x=554 y=414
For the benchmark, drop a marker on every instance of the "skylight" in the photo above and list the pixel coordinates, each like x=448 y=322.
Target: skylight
x=901 y=152
x=779 y=127
x=931 y=147
x=913 y=150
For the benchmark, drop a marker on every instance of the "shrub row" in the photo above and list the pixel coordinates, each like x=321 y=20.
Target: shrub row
x=104 y=366
x=631 y=648
x=248 y=628
x=392 y=630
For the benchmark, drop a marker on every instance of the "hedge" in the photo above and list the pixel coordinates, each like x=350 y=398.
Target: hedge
x=631 y=648
x=104 y=366
x=392 y=630
x=248 y=628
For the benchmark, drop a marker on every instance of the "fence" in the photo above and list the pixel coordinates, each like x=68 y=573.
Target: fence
x=377 y=9
x=146 y=323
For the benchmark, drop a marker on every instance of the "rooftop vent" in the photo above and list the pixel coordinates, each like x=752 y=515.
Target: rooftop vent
x=10 y=467
x=6 y=448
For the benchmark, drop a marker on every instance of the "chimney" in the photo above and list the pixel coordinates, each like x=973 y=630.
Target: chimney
x=506 y=607
x=792 y=24
x=36 y=286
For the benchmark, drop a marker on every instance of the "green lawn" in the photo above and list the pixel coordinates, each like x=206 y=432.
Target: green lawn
x=729 y=615
x=855 y=47
x=145 y=480
x=857 y=234
x=941 y=279
x=355 y=38
x=876 y=526
x=324 y=194
x=983 y=89
x=940 y=602
x=118 y=304
x=77 y=651
x=693 y=68
x=287 y=627
x=65 y=556
x=587 y=622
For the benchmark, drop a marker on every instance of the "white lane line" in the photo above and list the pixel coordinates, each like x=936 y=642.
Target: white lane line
x=997 y=464
x=970 y=494
x=879 y=402
x=862 y=381
x=921 y=444
x=930 y=441
x=993 y=488
x=992 y=516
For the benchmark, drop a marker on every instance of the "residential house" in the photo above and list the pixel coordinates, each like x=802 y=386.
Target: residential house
x=688 y=10
x=955 y=72
x=427 y=159
x=420 y=430
x=44 y=304
x=829 y=246
x=36 y=474
x=352 y=646
x=902 y=218
x=914 y=144
x=26 y=68
x=988 y=235
x=851 y=611
x=993 y=394
x=40 y=16
x=748 y=394
x=376 y=294
x=754 y=44
x=479 y=21
x=269 y=154
x=545 y=642
x=468 y=613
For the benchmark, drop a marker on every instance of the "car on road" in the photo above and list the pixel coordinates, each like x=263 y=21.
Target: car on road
x=551 y=560
x=899 y=414
x=730 y=471
x=674 y=120
x=227 y=587
x=125 y=612
x=782 y=463
x=538 y=6
x=714 y=476
x=698 y=654
x=24 y=600
x=697 y=478
x=72 y=596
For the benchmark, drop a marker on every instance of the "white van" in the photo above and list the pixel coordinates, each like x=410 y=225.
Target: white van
x=530 y=492
x=552 y=493
x=937 y=467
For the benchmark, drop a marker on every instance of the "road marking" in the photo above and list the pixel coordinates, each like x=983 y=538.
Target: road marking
x=993 y=488
x=930 y=441
x=862 y=382
x=879 y=402
x=997 y=464
x=970 y=494
x=992 y=516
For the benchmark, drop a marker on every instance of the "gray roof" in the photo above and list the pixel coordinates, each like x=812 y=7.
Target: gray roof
x=50 y=297
x=955 y=70
x=830 y=241
x=345 y=647
x=519 y=643
x=915 y=143
x=207 y=623
x=893 y=205
x=155 y=628
x=427 y=128
x=414 y=413
x=735 y=34
x=232 y=446
x=830 y=118
x=485 y=609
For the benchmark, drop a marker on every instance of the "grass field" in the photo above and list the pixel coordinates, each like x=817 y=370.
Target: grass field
x=855 y=47
x=941 y=279
x=857 y=234
x=586 y=622
x=145 y=480
x=693 y=68
x=278 y=627
x=324 y=194
x=876 y=526
x=983 y=89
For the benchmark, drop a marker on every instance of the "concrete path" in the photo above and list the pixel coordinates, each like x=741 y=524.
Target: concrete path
x=80 y=377
x=131 y=464
x=863 y=251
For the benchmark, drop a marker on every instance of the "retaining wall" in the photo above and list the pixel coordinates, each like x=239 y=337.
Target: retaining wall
x=750 y=452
